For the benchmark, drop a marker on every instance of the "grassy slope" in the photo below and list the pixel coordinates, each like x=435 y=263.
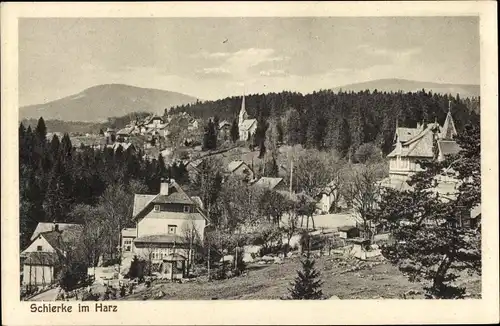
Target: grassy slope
x=272 y=281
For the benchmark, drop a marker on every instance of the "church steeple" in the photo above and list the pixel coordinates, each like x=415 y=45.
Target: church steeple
x=243 y=112
x=449 y=131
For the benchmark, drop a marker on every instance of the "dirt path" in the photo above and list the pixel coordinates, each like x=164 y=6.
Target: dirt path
x=49 y=295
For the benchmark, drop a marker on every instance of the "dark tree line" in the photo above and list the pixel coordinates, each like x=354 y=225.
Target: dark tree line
x=343 y=120
x=54 y=176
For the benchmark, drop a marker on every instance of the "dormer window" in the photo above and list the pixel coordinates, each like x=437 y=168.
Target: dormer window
x=157 y=208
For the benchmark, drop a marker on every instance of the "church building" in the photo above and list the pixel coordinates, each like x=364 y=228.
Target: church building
x=246 y=126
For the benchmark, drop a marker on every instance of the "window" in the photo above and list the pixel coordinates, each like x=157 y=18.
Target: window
x=172 y=229
x=157 y=208
x=127 y=245
x=38 y=248
x=186 y=209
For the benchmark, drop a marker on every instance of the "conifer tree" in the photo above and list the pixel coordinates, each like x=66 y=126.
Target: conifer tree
x=307 y=285
x=280 y=131
x=293 y=127
x=41 y=130
x=431 y=244
x=235 y=133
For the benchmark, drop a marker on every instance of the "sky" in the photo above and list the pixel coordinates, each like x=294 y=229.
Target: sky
x=211 y=58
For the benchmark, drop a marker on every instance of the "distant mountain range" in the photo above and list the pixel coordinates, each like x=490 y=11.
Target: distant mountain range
x=100 y=102
x=394 y=85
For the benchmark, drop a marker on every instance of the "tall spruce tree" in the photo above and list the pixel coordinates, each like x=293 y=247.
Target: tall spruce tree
x=235 y=132
x=41 y=130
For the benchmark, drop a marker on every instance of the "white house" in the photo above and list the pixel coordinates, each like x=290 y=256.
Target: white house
x=41 y=259
x=168 y=227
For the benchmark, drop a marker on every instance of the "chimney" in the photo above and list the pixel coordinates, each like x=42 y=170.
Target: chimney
x=165 y=184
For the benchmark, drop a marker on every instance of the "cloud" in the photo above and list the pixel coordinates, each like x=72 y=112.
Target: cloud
x=213 y=71
x=273 y=72
x=392 y=54
x=213 y=55
x=238 y=64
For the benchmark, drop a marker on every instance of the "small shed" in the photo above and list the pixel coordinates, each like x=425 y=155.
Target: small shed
x=174 y=266
x=360 y=248
x=348 y=232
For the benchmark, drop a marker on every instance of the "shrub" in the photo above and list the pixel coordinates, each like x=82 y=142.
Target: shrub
x=137 y=268
x=72 y=275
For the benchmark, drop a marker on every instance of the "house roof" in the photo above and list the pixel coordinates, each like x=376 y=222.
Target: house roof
x=160 y=238
x=41 y=258
x=125 y=131
x=143 y=203
x=268 y=182
x=449 y=131
x=195 y=163
x=476 y=211
x=448 y=147
x=125 y=146
x=223 y=123
x=129 y=232
x=247 y=124
x=234 y=165
x=173 y=198
x=63 y=240
x=405 y=134
x=48 y=226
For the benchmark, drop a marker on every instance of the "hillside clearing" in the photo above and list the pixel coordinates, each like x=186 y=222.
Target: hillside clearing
x=271 y=282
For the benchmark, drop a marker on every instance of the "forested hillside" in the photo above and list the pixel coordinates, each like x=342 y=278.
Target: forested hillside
x=62 y=184
x=343 y=121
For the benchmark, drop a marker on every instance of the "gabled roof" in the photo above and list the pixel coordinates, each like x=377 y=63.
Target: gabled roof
x=140 y=202
x=144 y=203
x=405 y=134
x=125 y=146
x=65 y=240
x=43 y=227
x=234 y=165
x=449 y=131
x=224 y=123
x=247 y=124
x=172 y=198
x=269 y=183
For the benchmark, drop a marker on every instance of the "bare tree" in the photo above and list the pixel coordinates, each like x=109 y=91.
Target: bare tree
x=360 y=188
x=315 y=171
